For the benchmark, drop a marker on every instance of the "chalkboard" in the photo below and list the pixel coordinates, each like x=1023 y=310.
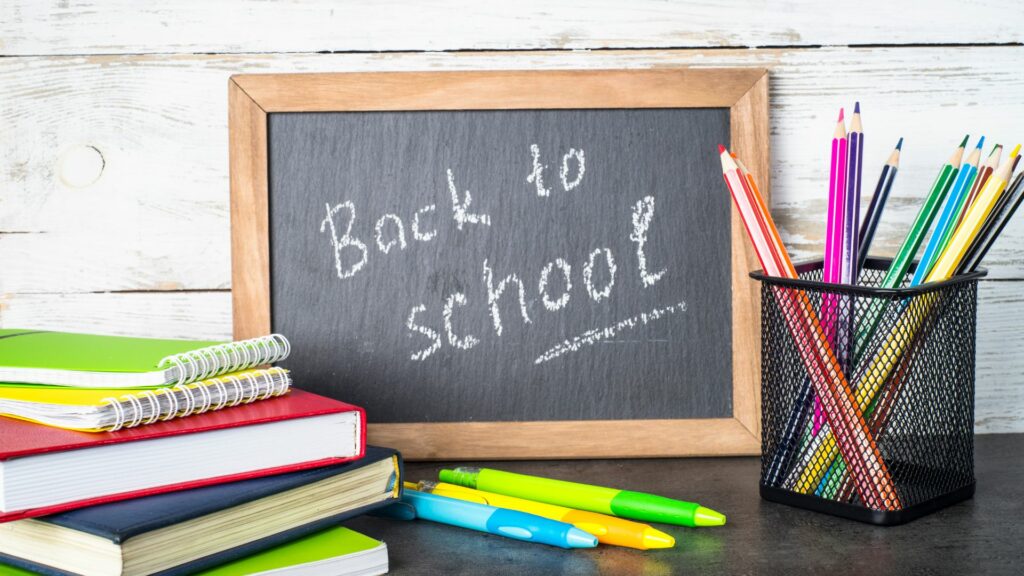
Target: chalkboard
x=505 y=266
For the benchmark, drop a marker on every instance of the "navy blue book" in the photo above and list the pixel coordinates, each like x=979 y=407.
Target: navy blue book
x=188 y=531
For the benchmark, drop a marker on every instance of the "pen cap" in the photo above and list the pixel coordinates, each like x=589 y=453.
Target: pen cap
x=653 y=508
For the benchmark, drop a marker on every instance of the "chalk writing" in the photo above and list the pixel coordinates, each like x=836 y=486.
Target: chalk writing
x=581 y=167
x=591 y=337
x=536 y=176
x=432 y=335
x=643 y=212
x=379 y=233
x=351 y=255
x=461 y=207
x=494 y=294
x=542 y=287
x=467 y=341
x=416 y=234
x=588 y=275
x=345 y=241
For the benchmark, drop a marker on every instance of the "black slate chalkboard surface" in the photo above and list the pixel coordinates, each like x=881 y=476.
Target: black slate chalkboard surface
x=506 y=264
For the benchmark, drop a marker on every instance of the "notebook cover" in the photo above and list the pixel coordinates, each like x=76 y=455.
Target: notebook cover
x=122 y=520
x=19 y=438
x=25 y=348
x=331 y=544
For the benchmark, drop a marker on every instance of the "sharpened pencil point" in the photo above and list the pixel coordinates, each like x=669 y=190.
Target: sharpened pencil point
x=980 y=143
x=856 y=108
x=964 y=142
x=840 y=115
x=721 y=149
x=899 y=145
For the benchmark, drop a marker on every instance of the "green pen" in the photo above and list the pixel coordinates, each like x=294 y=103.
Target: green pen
x=622 y=503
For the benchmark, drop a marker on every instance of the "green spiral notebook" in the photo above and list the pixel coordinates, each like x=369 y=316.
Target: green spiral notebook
x=97 y=361
x=336 y=551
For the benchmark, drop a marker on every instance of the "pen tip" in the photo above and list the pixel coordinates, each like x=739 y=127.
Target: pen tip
x=708 y=517
x=840 y=115
x=856 y=108
x=721 y=149
x=654 y=539
x=964 y=141
x=980 y=143
x=899 y=145
x=577 y=538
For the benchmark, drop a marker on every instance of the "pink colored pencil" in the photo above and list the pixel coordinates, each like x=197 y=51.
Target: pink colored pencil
x=832 y=271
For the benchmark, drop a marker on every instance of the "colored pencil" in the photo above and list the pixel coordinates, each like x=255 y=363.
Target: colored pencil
x=944 y=226
x=973 y=221
x=872 y=477
x=985 y=170
x=832 y=271
x=878 y=200
x=816 y=456
x=773 y=233
x=787 y=448
x=1014 y=195
x=849 y=271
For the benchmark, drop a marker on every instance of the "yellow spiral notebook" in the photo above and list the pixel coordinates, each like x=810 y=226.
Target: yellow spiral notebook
x=108 y=409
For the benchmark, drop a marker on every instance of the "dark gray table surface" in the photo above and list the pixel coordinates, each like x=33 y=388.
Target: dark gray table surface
x=979 y=536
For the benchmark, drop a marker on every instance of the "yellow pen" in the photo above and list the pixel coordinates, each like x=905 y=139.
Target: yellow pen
x=608 y=529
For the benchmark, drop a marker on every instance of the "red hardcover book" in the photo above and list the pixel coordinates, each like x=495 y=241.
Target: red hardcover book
x=45 y=470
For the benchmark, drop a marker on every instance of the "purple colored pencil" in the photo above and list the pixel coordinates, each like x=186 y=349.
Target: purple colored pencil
x=849 y=269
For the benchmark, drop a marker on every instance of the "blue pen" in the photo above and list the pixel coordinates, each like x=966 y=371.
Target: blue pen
x=509 y=523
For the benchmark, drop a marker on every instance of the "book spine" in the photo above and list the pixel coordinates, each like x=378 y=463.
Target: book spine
x=224 y=358
x=180 y=400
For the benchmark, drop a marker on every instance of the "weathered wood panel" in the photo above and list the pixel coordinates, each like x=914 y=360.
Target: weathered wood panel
x=158 y=214
x=35 y=27
x=202 y=315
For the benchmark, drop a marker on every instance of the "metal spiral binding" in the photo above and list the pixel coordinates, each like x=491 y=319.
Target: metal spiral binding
x=228 y=357
x=196 y=398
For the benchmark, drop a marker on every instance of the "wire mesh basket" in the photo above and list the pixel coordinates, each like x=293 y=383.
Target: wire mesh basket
x=876 y=423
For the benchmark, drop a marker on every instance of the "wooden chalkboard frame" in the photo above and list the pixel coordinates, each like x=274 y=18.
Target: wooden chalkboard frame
x=743 y=91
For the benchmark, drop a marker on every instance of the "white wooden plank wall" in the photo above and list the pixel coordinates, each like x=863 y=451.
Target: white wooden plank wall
x=136 y=93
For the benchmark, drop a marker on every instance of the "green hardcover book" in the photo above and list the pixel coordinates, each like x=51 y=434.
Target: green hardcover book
x=336 y=551
x=96 y=361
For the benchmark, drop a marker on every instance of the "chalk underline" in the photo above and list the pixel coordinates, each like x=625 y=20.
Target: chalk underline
x=595 y=335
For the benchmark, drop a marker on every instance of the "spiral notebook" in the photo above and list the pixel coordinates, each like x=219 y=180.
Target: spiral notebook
x=109 y=409
x=98 y=361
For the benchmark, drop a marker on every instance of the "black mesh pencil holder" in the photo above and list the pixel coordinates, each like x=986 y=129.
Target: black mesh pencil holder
x=867 y=394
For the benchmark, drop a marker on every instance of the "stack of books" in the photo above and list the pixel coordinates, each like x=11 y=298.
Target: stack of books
x=133 y=456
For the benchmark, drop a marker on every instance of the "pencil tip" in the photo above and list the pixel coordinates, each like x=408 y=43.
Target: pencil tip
x=964 y=142
x=721 y=149
x=899 y=145
x=840 y=115
x=856 y=108
x=980 y=143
